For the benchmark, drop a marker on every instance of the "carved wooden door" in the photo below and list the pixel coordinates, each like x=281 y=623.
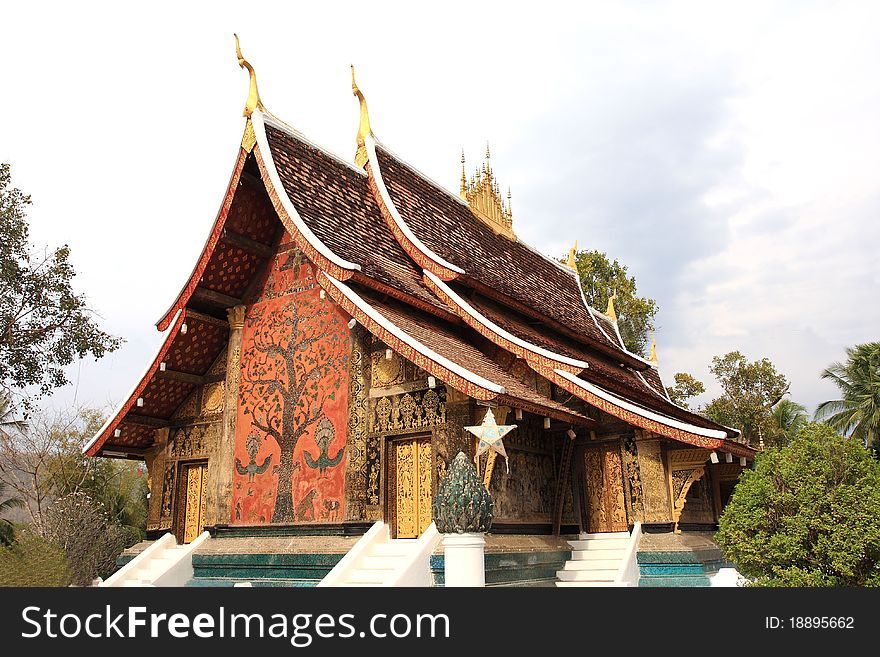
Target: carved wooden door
x=603 y=480
x=410 y=486
x=191 y=499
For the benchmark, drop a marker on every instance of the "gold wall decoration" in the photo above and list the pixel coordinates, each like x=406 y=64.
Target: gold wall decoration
x=408 y=412
x=212 y=398
x=483 y=196
x=682 y=480
x=168 y=481
x=655 y=490
x=193 y=441
x=357 y=469
x=632 y=480
x=249 y=138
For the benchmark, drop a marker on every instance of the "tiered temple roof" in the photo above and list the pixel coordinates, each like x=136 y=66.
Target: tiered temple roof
x=473 y=306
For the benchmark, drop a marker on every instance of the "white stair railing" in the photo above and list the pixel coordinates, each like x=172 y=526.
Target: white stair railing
x=378 y=533
x=415 y=569
x=176 y=571
x=628 y=574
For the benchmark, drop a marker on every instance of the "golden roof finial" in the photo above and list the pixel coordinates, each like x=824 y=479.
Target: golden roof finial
x=653 y=357
x=253 y=100
x=463 y=189
x=610 y=309
x=571 y=256
x=509 y=206
x=364 y=129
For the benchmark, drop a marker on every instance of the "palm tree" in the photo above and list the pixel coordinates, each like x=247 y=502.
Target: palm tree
x=789 y=417
x=7 y=531
x=857 y=412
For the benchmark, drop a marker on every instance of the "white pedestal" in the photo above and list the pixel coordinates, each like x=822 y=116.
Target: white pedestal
x=463 y=558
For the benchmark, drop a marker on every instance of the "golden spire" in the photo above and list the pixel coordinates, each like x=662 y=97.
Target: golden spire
x=653 y=357
x=463 y=189
x=610 y=309
x=253 y=100
x=571 y=256
x=483 y=195
x=364 y=129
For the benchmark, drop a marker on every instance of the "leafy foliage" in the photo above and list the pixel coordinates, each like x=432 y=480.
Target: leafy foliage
x=600 y=278
x=857 y=412
x=686 y=386
x=33 y=561
x=751 y=390
x=44 y=324
x=807 y=514
x=789 y=418
x=7 y=503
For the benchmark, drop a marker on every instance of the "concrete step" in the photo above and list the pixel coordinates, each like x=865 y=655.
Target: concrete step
x=596 y=553
x=593 y=564
x=384 y=562
x=584 y=584
x=584 y=536
x=599 y=543
x=397 y=548
x=586 y=575
x=364 y=576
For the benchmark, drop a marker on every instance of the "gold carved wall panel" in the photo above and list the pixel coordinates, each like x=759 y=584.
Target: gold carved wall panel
x=655 y=487
x=604 y=487
x=411 y=460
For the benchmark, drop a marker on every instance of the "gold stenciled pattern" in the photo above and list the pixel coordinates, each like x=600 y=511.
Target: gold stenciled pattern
x=407 y=412
x=357 y=473
x=196 y=485
x=412 y=462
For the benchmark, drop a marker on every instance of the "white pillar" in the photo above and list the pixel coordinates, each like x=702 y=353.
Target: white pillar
x=463 y=560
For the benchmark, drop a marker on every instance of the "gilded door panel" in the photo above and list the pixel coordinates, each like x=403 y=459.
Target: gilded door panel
x=194 y=517
x=412 y=486
x=603 y=474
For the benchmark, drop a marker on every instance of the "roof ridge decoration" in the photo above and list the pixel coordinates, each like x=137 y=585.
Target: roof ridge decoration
x=652 y=358
x=609 y=310
x=253 y=99
x=364 y=129
x=483 y=197
x=572 y=262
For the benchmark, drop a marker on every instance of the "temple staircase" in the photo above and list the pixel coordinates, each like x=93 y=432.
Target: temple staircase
x=379 y=560
x=164 y=563
x=603 y=559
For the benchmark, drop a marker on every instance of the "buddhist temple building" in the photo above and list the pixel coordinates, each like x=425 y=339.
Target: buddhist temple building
x=345 y=322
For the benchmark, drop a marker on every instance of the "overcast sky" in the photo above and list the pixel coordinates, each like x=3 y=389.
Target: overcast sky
x=727 y=153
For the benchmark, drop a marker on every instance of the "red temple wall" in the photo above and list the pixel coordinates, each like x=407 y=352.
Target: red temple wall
x=290 y=455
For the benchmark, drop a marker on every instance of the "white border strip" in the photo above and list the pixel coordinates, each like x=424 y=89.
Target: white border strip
x=398 y=333
x=275 y=122
x=263 y=143
x=485 y=321
x=370 y=144
x=134 y=388
x=643 y=412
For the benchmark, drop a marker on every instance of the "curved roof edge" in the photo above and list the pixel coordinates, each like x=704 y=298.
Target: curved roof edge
x=495 y=333
x=311 y=245
x=94 y=445
x=637 y=415
x=413 y=246
x=458 y=377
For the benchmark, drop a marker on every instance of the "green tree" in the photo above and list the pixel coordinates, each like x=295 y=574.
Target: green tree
x=33 y=561
x=8 y=503
x=44 y=324
x=857 y=412
x=807 y=514
x=789 y=417
x=600 y=278
x=686 y=387
x=750 y=391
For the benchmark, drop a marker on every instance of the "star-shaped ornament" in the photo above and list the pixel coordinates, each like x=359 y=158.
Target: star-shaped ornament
x=490 y=434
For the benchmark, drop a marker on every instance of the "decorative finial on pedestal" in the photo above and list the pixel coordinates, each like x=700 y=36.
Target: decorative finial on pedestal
x=462 y=191
x=462 y=505
x=253 y=100
x=610 y=309
x=364 y=129
x=653 y=357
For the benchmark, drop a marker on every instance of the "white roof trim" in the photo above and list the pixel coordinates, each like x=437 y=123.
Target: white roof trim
x=275 y=122
x=370 y=144
x=134 y=388
x=398 y=333
x=485 y=321
x=638 y=410
x=263 y=143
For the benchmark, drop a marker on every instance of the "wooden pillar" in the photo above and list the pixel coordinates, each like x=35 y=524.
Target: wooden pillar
x=155 y=460
x=562 y=483
x=716 y=491
x=220 y=468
